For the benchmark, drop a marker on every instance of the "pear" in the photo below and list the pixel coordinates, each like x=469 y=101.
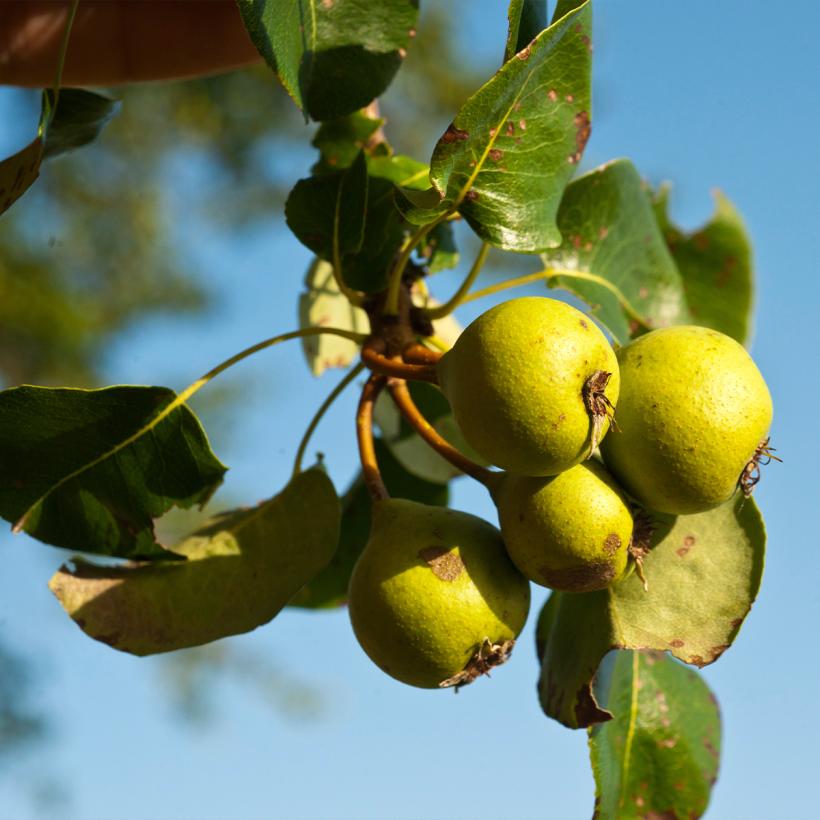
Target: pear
x=531 y=383
x=694 y=414
x=569 y=532
x=434 y=599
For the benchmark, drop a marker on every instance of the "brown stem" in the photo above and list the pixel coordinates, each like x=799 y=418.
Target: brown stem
x=384 y=366
x=419 y=354
x=364 y=434
x=407 y=407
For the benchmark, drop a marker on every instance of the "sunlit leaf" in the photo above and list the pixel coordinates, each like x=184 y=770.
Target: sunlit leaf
x=242 y=568
x=332 y=57
x=659 y=755
x=90 y=470
x=613 y=254
x=715 y=263
x=329 y=587
x=703 y=577
x=504 y=161
x=322 y=305
x=526 y=19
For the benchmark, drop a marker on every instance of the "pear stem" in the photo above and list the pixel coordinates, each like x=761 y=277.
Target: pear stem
x=364 y=434
x=419 y=354
x=381 y=364
x=407 y=407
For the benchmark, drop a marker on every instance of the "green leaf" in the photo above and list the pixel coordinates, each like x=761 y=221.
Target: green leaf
x=242 y=568
x=439 y=248
x=505 y=160
x=613 y=254
x=78 y=119
x=527 y=19
x=402 y=171
x=322 y=305
x=715 y=262
x=327 y=213
x=332 y=57
x=703 y=575
x=340 y=141
x=329 y=587
x=659 y=755
x=89 y=470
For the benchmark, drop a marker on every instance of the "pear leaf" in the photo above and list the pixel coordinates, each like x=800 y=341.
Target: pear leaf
x=659 y=755
x=716 y=265
x=504 y=161
x=703 y=574
x=89 y=470
x=242 y=569
x=613 y=254
x=321 y=304
x=332 y=57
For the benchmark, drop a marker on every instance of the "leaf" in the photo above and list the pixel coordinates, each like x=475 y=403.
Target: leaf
x=659 y=755
x=352 y=212
x=78 y=119
x=527 y=18
x=242 y=568
x=332 y=57
x=505 y=160
x=329 y=587
x=327 y=213
x=322 y=305
x=703 y=577
x=18 y=173
x=89 y=470
x=340 y=141
x=439 y=248
x=715 y=262
x=613 y=254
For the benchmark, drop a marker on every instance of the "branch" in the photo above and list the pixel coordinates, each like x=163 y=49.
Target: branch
x=394 y=367
x=364 y=435
x=407 y=407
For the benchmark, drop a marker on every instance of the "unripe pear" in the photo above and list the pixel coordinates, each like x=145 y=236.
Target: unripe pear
x=434 y=599
x=531 y=383
x=693 y=411
x=569 y=532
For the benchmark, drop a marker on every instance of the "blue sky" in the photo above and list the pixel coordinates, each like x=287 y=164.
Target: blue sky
x=707 y=95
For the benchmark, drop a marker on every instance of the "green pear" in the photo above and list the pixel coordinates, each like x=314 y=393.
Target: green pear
x=693 y=411
x=531 y=383
x=434 y=599
x=569 y=532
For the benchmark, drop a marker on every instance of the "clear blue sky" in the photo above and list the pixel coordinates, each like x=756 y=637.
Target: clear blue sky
x=704 y=94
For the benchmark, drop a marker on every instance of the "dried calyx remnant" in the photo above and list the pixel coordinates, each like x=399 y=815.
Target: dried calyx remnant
x=487 y=657
x=641 y=542
x=764 y=454
x=598 y=405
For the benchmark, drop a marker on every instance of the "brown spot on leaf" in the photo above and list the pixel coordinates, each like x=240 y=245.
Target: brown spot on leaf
x=522 y=124
x=677 y=643
x=471 y=195
x=583 y=128
x=446 y=564
x=510 y=129
x=552 y=95
x=603 y=232
x=525 y=52
x=496 y=154
x=612 y=543
x=453 y=134
x=569 y=98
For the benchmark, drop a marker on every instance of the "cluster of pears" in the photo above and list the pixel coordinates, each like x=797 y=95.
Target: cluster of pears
x=438 y=596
